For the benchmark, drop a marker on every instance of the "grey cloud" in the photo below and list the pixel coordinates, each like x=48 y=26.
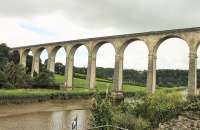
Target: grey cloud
x=125 y=16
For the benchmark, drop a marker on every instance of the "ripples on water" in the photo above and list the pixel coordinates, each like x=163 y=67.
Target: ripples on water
x=54 y=117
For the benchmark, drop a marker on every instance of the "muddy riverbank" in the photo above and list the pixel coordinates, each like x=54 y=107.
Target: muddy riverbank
x=51 y=115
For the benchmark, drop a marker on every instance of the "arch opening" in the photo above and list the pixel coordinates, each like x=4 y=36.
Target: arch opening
x=29 y=61
x=80 y=66
x=105 y=63
x=60 y=61
x=43 y=59
x=172 y=63
x=135 y=65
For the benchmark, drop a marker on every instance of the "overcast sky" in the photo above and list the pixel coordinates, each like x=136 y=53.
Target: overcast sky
x=26 y=22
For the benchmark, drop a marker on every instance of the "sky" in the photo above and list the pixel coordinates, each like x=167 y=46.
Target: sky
x=28 y=22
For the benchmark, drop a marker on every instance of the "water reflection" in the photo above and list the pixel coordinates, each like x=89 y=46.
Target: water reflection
x=63 y=120
x=46 y=120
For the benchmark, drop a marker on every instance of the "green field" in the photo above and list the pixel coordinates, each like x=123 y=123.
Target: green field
x=79 y=88
x=102 y=85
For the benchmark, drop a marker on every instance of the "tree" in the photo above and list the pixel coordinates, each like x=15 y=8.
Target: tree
x=44 y=78
x=101 y=111
x=15 y=73
x=4 y=55
x=59 y=68
x=14 y=56
x=2 y=77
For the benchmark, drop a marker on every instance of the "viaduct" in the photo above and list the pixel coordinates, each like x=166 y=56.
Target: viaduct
x=120 y=42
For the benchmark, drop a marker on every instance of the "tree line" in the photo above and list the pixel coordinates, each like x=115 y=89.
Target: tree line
x=165 y=77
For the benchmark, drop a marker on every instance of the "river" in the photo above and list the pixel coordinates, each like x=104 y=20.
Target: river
x=52 y=115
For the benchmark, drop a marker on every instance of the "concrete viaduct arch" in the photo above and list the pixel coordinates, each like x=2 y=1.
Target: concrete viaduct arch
x=119 y=42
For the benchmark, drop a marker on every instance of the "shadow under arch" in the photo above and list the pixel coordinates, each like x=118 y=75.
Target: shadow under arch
x=197 y=51
x=197 y=47
x=51 y=65
x=38 y=54
x=25 y=53
x=27 y=59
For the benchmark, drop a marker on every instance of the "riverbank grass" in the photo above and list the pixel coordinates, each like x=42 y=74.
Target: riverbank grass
x=102 y=85
x=79 y=90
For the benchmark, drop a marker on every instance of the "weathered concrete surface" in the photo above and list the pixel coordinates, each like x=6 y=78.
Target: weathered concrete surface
x=120 y=42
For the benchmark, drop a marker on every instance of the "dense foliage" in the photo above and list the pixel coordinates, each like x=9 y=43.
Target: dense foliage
x=128 y=121
x=158 y=107
x=15 y=73
x=147 y=112
x=12 y=74
x=101 y=112
x=4 y=55
x=44 y=79
x=193 y=104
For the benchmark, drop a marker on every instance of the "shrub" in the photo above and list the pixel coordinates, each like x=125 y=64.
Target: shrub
x=6 y=85
x=193 y=104
x=3 y=81
x=136 y=94
x=80 y=76
x=158 y=107
x=101 y=112
x=15 y=73
x=2 y=77
x=45 y=79
x=130 y=122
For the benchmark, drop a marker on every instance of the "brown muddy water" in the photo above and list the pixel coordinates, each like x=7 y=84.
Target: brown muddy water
x=52 y=115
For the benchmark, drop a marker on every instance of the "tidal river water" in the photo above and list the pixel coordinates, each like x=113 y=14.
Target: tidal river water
x=52 y=115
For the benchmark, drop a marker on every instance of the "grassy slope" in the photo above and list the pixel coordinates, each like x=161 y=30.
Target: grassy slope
x=79 y=87
x=103 y=85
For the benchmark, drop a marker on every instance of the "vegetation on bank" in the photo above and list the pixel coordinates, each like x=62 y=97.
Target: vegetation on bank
x=18 y=96
x=144 y=114
x=79 y=90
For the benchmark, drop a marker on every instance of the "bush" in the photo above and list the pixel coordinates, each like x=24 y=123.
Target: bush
x=2 y=77
x=45 y=79
x=193 y=104
x=136 y=94
x=130 y=122
x=15 y=73
x=158 y=107
x=80 y=76
x=6 y=85
x=101 y=112
x=3 y=81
